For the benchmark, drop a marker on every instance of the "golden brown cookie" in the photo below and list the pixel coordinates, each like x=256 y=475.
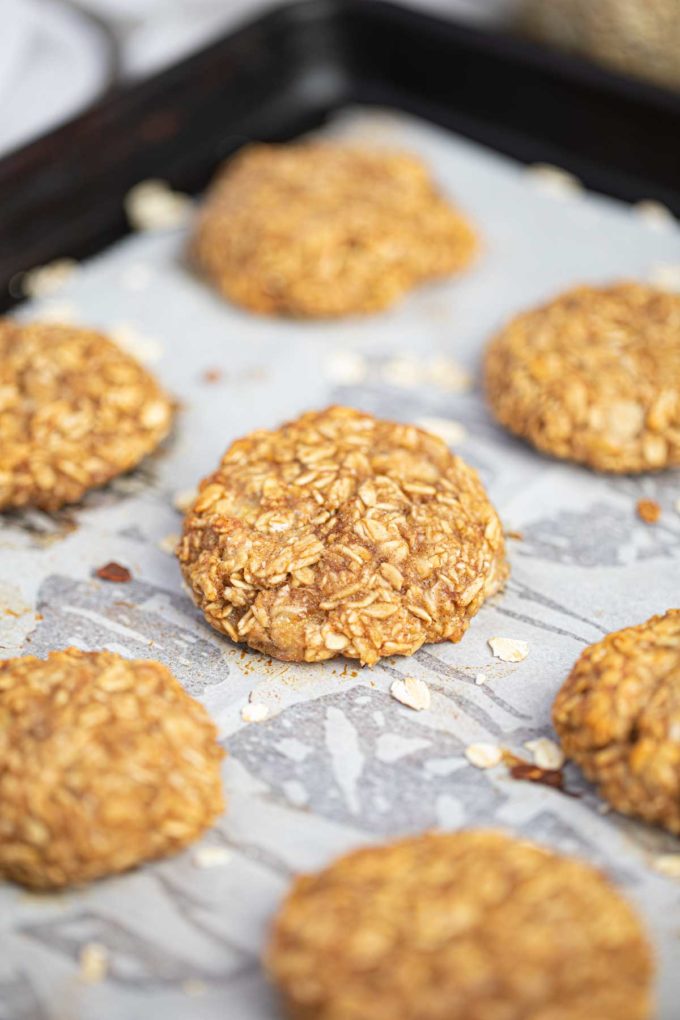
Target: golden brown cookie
x=105 y=763
x=618 y=716
x=463 y=926
x=319 y=229
x=594 y=377
x=340 y=533
x=75 y=411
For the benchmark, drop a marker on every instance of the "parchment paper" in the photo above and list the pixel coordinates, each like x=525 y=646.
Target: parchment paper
x=338 y=762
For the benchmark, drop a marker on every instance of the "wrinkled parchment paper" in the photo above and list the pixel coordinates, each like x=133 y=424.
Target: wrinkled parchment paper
x=338 y=762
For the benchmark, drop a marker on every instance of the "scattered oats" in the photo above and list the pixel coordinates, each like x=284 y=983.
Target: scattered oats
x=676 y=505
x=655 y=214
x=603 y=809
x=254 y=711
x=211 y=856
x=45 y=280
x=666 y=276
x=546 y=753
x=346 y=367
x=412 y=692
x=64 y=312
x=146 y=349
x=193 y=987
x=480 y=679
x=553 y=180
x=153 y=205
x=184 y=499
x=452 y=432
x=508 y=649
x=405 y=371
x=648 y=510
x=484 y=756
x=94 y=963
x=668 y=865
x=169 y=543
x=446 y=374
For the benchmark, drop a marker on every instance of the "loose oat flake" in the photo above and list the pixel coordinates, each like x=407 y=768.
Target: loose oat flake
x=254 y=712
x=508 y=649
x=153 y=205
x=668 y=865
x=411 y=692
x=546 y=753
x=483 y=755
x=480 y=679
x=211 y=856
x=94 y=963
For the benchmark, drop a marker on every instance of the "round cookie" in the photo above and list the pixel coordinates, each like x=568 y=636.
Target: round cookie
x=618 y=716
x=593 y=376
x=75 y=411
x=319 y=229
x=339 y=533
x=105 y=762
x=461 y=926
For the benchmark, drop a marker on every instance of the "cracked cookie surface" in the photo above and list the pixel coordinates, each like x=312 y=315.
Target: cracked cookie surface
x=594 y=377
x=618 y=716
x=75 y=411
x=322 y=229
x=105 y=762
x=459 y=926
x=341 y=534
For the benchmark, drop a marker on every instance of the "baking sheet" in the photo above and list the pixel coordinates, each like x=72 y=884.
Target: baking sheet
x=338 y=762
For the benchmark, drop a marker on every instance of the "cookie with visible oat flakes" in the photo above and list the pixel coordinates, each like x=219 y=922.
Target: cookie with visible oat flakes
x=105 y=762
x=618 y=716
x=75 y=412
x=459 y=926
x=341 y=534
x=594 y=377
x=324 y=229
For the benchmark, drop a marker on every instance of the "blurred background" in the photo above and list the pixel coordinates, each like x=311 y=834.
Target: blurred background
x=56 y=56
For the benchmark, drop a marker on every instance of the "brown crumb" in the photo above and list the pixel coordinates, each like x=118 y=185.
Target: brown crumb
x=212 y=375
x=114 y=572
x=517 y=536
x=648 y=510
x=532 y=773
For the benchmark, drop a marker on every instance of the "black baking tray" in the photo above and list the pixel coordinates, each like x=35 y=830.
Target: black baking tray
x=287 y=72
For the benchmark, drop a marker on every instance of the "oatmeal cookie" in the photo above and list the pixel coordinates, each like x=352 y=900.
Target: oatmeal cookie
x=105 y=762
x=75 y=411
x=461 y=926
x=618 y=716
x=593 y=377
x=319 y=229
x=339 y=533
